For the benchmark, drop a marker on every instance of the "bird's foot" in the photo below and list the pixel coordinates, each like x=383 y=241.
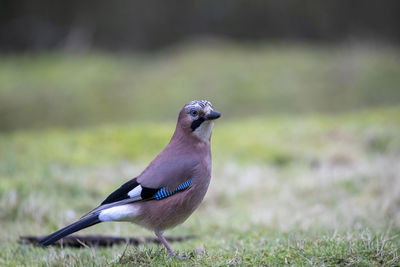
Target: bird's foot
x=184 y=256
x=200 y=250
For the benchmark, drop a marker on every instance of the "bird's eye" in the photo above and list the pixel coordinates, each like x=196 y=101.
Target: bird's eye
x=193 y=112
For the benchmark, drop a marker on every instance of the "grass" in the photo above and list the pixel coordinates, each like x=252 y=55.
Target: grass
x=242 y=80
x=297 y=190
x=249 y=248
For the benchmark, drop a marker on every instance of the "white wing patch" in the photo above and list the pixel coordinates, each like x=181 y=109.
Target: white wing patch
x=119 y=213
x=135 y=193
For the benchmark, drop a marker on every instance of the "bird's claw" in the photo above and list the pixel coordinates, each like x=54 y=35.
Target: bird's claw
x=184 y=256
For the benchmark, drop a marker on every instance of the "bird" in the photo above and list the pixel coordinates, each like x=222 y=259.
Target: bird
x=169 y=189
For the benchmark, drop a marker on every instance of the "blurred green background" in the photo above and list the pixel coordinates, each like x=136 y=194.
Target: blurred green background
x=242 y=80
x=305 y=157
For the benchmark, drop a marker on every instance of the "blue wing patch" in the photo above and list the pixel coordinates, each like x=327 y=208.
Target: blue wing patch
x=163 y=193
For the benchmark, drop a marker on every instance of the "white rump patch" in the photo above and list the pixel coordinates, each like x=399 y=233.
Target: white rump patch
x=119 y=213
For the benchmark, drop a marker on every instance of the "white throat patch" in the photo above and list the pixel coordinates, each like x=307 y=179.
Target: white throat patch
x=204 y=130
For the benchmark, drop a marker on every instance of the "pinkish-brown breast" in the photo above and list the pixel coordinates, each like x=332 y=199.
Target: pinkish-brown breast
x=168 y=212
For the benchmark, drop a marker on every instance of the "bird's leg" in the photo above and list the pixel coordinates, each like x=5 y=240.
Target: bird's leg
x=160 y=236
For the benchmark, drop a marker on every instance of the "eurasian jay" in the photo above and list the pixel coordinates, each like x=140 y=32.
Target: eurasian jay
x=172 y=186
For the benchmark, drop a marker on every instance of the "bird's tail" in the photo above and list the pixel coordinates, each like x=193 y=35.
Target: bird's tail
x=72 y=228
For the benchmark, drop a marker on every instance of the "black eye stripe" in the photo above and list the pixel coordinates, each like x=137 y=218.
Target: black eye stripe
x=196 y=123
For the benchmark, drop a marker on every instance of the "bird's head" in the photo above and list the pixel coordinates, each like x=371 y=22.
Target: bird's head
x=196 y=118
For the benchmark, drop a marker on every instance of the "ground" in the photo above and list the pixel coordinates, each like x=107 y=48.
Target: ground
x=328 y=194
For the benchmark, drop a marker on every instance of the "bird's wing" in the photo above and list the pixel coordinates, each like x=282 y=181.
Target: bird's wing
x=166 y=175
x=132 y=191
x=169 y=171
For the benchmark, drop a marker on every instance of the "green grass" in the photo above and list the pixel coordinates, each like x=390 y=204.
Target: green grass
x=241 y=80
x=255 y=248
x=297 y=190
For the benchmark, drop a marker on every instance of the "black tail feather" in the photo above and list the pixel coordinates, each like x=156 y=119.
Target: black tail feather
x=76 y=226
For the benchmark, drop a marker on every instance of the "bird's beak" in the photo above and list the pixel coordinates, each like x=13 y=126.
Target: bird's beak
x=212 y=115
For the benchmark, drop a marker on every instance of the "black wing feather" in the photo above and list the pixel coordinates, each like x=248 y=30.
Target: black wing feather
x=148 y=193
x=121 y=193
